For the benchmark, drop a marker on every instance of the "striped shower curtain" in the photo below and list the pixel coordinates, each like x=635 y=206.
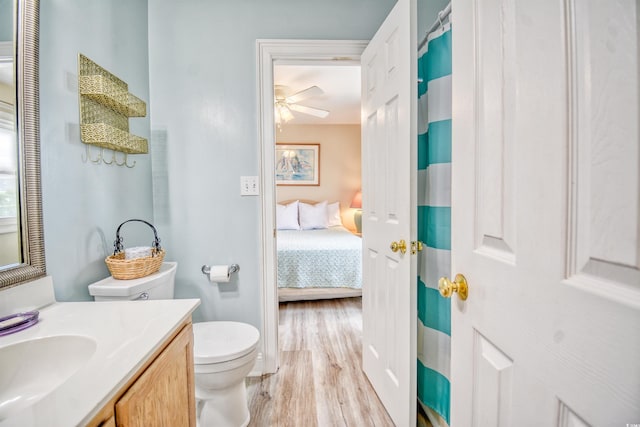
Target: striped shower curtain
x=434 y=223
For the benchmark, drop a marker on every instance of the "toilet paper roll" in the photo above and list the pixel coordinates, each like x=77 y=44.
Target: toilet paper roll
x=219 y=273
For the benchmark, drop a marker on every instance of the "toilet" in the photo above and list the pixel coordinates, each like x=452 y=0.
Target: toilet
x=224 y=352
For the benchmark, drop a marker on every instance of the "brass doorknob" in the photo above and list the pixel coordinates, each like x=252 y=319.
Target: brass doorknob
x=401 y=246
x=459 y=285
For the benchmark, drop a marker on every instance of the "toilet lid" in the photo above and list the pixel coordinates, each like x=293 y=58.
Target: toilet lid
x=215 y=342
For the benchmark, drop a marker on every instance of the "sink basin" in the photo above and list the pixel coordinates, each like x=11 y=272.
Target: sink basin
x=31 y=369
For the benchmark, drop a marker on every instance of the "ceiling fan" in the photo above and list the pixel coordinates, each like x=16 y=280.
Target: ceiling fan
x=285 y=104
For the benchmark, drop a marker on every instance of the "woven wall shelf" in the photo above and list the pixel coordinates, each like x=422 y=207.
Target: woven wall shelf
x=105 y=108
x=107 y=136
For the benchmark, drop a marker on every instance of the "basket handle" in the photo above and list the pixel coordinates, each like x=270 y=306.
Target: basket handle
x=118 y=247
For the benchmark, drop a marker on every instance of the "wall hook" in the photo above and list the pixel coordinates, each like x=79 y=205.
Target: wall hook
x=113 y=158
x=87 y=156
x=100 y=157
x=116 y=160
x=126 y=163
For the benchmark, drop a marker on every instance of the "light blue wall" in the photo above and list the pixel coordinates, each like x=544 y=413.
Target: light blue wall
x=203 y=98
x=6 y=20
x=83 y=203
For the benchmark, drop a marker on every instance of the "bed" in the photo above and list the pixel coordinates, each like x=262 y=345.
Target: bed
x=323 y=263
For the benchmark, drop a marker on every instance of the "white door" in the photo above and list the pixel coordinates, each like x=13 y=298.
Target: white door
x=546 y=213
x=388 y=172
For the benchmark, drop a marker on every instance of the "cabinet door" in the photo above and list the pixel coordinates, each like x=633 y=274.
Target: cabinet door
x=164 y=394
x=111 y=422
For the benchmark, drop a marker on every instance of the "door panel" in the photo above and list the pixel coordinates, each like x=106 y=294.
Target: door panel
x=605 y=149
x=388 y=177
x=494 y=375
x=391 y=160
x=371 y=162
x=568 y=418
x=495 y=154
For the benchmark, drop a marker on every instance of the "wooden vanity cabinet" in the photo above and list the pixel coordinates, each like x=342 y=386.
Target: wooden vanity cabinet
x=162 y=393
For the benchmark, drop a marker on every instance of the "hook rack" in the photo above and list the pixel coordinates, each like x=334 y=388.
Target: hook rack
x=105 y=108
x=86 y=157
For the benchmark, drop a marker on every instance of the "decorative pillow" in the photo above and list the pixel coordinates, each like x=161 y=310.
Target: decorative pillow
x=333 y=214
x=287 y=216
x=313 y=216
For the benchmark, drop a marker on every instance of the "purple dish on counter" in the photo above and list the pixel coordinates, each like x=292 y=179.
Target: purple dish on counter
x=17 y=322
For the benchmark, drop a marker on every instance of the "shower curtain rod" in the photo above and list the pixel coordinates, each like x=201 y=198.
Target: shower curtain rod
x=441 y=17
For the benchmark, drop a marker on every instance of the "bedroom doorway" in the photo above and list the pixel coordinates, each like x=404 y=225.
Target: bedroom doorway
x=270 y=51
x=317 y=177
x=318 y=174
x=280 y=53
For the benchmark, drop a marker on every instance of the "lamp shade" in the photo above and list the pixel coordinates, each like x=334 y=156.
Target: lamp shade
x=357 y=201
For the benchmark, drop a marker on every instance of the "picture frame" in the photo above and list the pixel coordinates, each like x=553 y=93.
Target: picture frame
x=297 y=164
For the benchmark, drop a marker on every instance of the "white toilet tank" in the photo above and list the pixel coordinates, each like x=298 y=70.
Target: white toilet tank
x=158 y=285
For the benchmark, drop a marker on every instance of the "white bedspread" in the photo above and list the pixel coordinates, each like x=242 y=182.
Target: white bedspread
x=328 y=258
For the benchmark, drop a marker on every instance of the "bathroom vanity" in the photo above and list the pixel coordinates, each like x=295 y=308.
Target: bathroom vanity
x=160 y=393
x=101 y=364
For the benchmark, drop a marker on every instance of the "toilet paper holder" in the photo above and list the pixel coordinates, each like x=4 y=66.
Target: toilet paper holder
x=233 y=268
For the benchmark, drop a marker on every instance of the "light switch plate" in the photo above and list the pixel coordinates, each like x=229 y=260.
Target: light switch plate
x=249 y=186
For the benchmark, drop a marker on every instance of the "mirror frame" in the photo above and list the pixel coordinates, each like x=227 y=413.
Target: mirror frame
x=28 y=131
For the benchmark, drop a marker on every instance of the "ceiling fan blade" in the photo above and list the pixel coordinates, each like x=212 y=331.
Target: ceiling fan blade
x=304 y=94
x=309 y=110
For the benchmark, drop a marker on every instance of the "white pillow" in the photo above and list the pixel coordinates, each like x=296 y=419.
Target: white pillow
x=333 y=214
x=313 y=216
x=287 y=216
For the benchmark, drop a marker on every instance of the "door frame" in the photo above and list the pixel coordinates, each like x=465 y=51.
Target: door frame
x=267 y=52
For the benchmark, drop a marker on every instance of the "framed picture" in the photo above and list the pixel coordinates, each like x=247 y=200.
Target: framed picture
x=297 y=164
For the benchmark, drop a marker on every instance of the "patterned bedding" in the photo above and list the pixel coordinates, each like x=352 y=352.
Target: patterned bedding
x=328 y=258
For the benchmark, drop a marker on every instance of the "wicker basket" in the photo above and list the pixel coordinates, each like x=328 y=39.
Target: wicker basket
x=125 y=269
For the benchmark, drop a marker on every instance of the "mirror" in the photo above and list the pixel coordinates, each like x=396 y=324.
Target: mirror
x=10 y=253
x=21 y=235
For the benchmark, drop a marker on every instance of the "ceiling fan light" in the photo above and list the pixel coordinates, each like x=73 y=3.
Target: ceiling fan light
x=277 y=116
x=285 y=114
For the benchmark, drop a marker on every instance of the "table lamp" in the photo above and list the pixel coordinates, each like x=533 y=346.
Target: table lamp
x=356 y=203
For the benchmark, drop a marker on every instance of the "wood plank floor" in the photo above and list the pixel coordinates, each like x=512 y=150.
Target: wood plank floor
x=320 y=381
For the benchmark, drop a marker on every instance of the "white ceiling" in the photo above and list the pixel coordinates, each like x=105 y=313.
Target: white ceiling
x=341 y=86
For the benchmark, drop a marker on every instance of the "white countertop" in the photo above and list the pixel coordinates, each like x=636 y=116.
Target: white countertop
x=126 y=334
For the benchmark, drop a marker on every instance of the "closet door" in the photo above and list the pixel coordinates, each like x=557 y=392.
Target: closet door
x=546 y=213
